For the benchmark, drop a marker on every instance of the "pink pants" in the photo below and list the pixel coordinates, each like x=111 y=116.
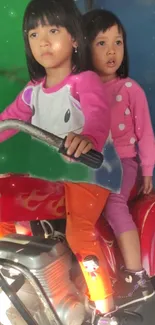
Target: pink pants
x=116 y=210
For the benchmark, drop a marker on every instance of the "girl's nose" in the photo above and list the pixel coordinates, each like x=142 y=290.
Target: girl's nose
x=111 y=51
x=44 y=41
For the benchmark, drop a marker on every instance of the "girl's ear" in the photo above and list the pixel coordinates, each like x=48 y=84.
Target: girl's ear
x=75 y=44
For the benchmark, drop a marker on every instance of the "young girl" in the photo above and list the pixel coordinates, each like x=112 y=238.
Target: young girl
x=130 y=125
x=66 y=101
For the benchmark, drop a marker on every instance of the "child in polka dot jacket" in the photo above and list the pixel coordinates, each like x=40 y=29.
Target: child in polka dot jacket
x=130 y=128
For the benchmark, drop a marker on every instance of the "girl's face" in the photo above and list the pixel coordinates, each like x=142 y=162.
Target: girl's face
x=51 y=46
x=108 y=52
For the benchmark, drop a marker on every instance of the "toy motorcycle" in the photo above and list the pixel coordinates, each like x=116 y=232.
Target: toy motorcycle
x=40 y=279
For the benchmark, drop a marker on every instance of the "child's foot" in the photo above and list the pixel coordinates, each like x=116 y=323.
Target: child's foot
x=132 y=287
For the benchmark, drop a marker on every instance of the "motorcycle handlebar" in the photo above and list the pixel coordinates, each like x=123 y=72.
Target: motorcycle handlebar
x=93 y=158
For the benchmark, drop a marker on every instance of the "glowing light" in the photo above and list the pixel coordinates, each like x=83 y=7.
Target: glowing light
x=16 y=260
x=3 y=158
x=12 y=13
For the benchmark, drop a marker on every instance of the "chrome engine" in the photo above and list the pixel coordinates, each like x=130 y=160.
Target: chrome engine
x=49 y=263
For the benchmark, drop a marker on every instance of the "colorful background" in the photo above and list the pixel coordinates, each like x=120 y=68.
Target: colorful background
x=138 y=17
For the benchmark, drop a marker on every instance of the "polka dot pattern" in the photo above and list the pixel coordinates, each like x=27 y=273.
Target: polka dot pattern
x=132 y=140
x=121 y=126
x=118 y=98
x=127 y=111
x=128 y=84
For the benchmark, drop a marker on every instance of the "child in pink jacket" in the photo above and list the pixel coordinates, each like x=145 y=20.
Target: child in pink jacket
x=130 y=128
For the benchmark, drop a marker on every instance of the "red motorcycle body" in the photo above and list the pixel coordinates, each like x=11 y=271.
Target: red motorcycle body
x=23 y=198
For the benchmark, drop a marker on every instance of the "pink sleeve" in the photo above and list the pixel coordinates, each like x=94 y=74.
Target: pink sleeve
x=96 y=112
x=19 y=110
x=143 y=130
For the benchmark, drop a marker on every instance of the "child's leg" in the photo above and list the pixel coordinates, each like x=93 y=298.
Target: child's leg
x=118 y=216
x=129 y=245
x=120 y=219
x=84 y=203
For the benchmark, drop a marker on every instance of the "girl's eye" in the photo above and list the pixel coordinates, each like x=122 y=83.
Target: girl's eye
x=33 y=35
x=101 y=43
x=53 y=30
x=119 y=42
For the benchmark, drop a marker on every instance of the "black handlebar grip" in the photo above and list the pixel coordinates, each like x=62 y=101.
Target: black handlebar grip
x=93 y=158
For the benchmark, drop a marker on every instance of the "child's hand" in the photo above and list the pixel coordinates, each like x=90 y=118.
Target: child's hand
x=67 y=158
x=147 y=184
x=77 y=144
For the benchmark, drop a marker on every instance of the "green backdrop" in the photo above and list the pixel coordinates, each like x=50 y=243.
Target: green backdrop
x=20 y=154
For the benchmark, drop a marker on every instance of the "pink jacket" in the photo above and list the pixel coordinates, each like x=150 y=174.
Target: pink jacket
x=130 y=122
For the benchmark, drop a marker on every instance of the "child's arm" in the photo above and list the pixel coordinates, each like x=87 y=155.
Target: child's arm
x=17 y=110
x=96 y=112
x=143 y=130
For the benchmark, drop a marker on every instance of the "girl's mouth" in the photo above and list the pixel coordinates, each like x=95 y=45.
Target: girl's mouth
x=111 y=63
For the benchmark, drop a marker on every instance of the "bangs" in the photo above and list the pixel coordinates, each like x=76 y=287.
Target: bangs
x=98 y=20
x=109 y=25
x=102 y=28
x=44 y=12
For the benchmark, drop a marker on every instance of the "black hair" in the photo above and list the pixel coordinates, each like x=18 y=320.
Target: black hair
x=99 y=20
x=62 y=13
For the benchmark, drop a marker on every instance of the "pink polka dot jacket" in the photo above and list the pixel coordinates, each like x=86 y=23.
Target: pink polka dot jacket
x=130 y=122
